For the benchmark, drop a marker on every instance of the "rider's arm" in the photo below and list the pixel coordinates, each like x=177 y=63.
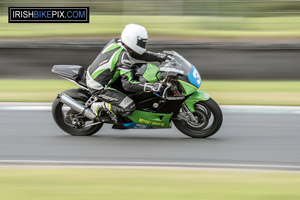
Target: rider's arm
x=150 y=56
x=128 y=83
x=126 y=73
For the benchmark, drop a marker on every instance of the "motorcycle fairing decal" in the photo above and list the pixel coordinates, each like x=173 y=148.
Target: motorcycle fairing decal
x=136 y=126
x=194 y=98
x=194 y=77
x=151 y=119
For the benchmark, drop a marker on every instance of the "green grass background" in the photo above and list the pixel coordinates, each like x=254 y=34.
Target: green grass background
x=131 y=184
x=224 y=92
x=161 y=27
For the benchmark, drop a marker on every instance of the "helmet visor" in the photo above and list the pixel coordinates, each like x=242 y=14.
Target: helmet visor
x=141 y=42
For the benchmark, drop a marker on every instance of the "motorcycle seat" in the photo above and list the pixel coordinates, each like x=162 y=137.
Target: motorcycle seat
x=73 y=72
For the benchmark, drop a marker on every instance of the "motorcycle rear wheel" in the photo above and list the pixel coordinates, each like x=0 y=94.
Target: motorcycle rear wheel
x=209 y=120
x=64 y=122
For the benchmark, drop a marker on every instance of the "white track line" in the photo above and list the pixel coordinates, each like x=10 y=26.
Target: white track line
x=24 y=104
x=151 y=164
x=262 y=107
x=15 y=106
x=26 y=108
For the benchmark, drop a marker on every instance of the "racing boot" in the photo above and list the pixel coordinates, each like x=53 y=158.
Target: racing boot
x=104 y=111
x=100 y=107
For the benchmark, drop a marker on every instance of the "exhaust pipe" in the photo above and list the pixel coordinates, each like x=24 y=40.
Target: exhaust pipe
x=87 y=112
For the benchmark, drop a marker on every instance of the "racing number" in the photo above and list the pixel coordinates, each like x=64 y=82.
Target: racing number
x=197 y=76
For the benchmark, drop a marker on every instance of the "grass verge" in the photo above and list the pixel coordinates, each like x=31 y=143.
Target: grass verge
x=224 y=92
x=183 y=27
x=131 y=184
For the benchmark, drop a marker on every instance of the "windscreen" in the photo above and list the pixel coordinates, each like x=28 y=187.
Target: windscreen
x=179 y=63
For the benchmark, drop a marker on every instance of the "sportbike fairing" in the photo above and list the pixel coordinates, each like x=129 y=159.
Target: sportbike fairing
x=186 y=73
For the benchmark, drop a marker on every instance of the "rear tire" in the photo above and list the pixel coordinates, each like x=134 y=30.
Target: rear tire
x=59 y=118
x=203 y=112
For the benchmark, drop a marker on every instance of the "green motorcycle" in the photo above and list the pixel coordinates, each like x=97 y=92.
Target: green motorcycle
x=192 y=111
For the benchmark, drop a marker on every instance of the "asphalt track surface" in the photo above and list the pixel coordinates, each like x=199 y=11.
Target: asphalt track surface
x=246 y=139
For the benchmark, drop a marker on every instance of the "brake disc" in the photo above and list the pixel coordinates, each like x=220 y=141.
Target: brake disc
x=202 y=120
x=74 y=119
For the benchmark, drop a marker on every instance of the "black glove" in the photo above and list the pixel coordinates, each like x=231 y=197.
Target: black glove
x=161 y=57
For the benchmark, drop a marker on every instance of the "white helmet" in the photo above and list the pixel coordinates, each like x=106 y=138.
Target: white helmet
x=135 y=37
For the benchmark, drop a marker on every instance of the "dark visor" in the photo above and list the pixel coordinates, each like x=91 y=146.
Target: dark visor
x=141 y=42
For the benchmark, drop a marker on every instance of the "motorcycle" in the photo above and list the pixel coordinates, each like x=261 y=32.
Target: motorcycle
x=180 y=101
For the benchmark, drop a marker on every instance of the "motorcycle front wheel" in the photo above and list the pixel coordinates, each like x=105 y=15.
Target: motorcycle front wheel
x=208 y=117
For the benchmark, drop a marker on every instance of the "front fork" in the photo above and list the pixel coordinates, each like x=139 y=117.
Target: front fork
x=188 y=105
x=189 y=113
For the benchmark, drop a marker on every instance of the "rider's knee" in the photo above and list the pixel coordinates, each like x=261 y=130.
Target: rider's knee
x=128 y=110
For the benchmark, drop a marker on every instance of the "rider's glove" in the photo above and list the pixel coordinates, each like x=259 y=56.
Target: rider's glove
x=161 y=57
x=152 y=87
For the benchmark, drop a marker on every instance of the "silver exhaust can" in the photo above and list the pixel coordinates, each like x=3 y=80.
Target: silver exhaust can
x=87 y=112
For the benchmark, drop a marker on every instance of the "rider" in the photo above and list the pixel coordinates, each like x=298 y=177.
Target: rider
x=114 y=61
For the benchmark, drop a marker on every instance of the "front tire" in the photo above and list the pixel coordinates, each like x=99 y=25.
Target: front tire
x=62 y=121
x=209 y=116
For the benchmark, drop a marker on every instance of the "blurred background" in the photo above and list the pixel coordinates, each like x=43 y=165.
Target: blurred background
x=247 y=52
x=236 y=40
